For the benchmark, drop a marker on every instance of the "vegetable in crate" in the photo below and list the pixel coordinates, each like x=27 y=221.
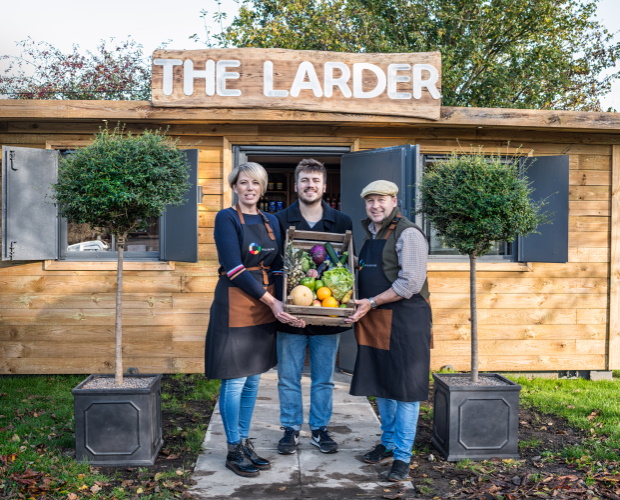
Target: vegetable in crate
x=318 y=254
x=307 y=281
x=339 y=281
x=306 y=262
x=312 y=273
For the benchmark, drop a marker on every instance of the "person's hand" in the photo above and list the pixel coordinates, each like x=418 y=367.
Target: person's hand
x=277 y=307
x=362 y=306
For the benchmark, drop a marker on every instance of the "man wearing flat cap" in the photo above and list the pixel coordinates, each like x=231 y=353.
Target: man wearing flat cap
x=392 y=324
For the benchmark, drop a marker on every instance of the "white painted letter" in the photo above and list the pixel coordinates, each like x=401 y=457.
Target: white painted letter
x=429 y=84
x=189 y=74
x=329 y=82
x=306 y=69
x=268 y=90
x=358 y=80
x=393 y=78
x=167 y=68
x=223 y=75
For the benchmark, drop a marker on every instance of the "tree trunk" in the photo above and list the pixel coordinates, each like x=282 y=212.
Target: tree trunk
x=118 y=324
x=474 y=318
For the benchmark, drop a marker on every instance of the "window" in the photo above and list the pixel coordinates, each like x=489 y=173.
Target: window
x=32 y=230
x=404 y=165
x=500 y=251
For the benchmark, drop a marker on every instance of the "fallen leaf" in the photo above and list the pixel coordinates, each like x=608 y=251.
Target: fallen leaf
x=172 y=457
x=95 y=488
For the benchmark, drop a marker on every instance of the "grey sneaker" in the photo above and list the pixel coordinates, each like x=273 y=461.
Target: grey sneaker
x=399 y=471
x=322 y=439
x=288 y=444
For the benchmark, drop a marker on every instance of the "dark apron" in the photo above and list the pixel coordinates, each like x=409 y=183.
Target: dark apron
x=393 y=356
x=241 y=338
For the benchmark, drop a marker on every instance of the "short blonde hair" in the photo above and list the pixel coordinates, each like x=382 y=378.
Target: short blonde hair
x=253 y=170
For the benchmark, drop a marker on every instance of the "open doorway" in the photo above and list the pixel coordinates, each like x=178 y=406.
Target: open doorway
x=280 y=163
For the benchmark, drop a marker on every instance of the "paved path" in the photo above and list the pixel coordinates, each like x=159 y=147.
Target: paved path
x=308 y=474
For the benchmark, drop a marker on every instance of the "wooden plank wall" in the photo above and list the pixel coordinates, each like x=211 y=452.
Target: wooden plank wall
x=59 y=318
x=551 y=316
x=547 y=317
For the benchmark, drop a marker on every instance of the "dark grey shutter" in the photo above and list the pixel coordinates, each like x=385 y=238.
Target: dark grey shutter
x=29 y=216
x=397 y=164
x=179 y=225
x=549 y=178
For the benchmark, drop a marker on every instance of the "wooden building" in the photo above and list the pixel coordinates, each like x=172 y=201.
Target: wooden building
x=57 y=315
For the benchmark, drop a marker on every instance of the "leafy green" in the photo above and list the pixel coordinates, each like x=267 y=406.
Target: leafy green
x=339 y=281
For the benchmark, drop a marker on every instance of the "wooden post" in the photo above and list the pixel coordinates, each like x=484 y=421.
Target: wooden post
x=613 y=357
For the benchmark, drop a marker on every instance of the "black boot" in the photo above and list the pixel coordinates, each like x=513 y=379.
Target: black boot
x=248 y=450
x=238 y=463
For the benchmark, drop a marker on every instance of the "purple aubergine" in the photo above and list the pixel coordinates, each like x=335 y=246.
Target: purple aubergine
x=318 y=254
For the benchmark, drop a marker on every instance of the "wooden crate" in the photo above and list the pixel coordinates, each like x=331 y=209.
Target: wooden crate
x=314 y=315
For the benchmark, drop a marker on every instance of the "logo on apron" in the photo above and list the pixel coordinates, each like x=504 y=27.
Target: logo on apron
x=255 y=248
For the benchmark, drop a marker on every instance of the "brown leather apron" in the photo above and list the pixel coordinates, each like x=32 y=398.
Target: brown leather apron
x=393 y=356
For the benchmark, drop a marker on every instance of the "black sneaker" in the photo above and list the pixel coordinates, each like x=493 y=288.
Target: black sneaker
x=322 y=439
x=399 y=471
x=379 y=454
x=288 y=444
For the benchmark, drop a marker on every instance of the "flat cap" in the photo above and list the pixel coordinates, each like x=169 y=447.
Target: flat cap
x=384 y=188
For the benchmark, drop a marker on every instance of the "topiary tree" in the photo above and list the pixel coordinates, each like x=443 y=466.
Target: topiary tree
x=473 y=201
x=117 y=183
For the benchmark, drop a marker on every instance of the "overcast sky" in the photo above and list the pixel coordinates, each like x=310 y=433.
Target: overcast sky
x=151 y=23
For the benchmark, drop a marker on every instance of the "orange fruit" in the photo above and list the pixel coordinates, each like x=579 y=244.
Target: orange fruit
x=330 y=302
x=323 y=293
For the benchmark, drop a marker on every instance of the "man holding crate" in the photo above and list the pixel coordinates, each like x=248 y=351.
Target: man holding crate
x=392 y=324
x=308 y=213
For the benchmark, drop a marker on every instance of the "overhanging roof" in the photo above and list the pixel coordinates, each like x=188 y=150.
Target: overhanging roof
x=143 y=111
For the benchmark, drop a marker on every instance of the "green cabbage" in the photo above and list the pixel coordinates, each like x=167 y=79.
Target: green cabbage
x=339 y=281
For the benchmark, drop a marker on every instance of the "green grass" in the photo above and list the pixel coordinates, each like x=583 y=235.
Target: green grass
x=36 y=427
x=529 y=443
x=37 y=442
x=588 y=405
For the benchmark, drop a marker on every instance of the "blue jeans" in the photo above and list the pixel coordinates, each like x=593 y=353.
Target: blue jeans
x=291 y=356
x=399 y=420
x=237 y=400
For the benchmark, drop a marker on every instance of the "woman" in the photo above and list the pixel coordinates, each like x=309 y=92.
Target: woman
x=241 y=338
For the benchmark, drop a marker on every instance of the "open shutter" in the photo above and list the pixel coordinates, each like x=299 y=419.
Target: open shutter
x=549 y=178
x=29 y=216
x=179 y=233
x=397 y=164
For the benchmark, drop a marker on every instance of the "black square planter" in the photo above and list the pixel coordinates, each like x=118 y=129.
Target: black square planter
x=118 y=426
x=475 y=422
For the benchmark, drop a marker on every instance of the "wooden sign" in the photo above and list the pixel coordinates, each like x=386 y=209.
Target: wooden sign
x=404 y=84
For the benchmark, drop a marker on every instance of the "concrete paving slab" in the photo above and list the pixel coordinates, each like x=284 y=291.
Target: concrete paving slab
x=308 y=474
